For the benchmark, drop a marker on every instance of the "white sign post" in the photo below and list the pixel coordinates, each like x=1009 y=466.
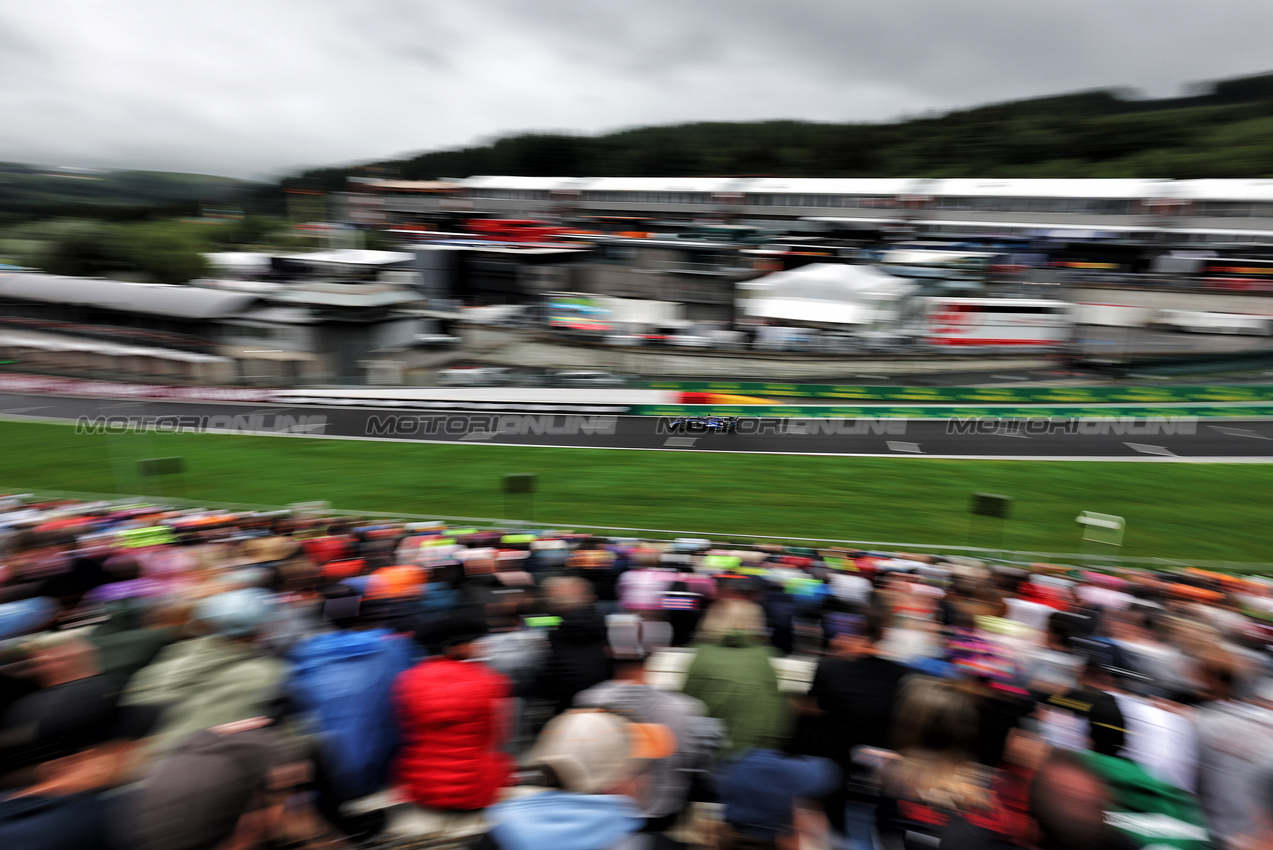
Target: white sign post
x=1105 y=529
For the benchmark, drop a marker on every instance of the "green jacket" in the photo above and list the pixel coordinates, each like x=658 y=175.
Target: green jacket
x=125 y=644
x=737 y=683
x=203 y=683
x=1148 y=810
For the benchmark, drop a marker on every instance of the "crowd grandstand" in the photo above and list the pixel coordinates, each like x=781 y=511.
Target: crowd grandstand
x=211 y=677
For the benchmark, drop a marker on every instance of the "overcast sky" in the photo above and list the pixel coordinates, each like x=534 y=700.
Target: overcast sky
x=253 y=88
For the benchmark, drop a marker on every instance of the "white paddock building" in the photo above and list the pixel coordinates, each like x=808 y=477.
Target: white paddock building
x=1180 y=211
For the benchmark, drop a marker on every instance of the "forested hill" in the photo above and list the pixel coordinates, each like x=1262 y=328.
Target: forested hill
x=29 y=191
x=1224 y=129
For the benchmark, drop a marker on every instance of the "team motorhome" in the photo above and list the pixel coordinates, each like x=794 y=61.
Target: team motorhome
x=996 y=321
x=1205 y=322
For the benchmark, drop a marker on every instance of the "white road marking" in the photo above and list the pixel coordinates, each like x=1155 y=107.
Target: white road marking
x=25 y=409
x=680 y=442
x=1238 y=432
x=895 y=446
x=480 y=435
x=1150 y=450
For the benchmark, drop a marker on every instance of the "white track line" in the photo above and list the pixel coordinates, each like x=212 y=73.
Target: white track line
x=1150 y=450
x=1047 y=458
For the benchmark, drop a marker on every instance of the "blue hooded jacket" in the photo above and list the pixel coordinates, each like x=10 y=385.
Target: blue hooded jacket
x=344 y=682
x=25 y=615
x=560 y=820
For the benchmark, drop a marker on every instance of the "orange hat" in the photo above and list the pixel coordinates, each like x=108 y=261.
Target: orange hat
x=341 y=570
x=403 y=581
x=592 y=750
x=62 y=524
x=1196 y=594
x=589 y=559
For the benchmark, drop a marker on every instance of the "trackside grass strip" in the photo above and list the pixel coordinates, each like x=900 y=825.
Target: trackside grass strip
x=1173 y=510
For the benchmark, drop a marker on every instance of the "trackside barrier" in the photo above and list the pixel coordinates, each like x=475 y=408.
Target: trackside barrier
x=976 y=396
x=983 y=395
x=1233 y=411
x=924 y=402
x=1002 y=556
x=117 y=389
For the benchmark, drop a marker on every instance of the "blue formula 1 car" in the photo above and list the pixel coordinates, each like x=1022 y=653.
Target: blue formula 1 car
x=705 y=424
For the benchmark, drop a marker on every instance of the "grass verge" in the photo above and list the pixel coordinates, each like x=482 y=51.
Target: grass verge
x=1173 y=510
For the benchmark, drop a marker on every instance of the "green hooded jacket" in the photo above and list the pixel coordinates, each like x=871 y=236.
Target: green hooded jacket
x=206 y=682
x=735 y=680
x=1149 y=811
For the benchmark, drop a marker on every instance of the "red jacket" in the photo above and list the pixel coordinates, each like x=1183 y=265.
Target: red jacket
x=452 y=717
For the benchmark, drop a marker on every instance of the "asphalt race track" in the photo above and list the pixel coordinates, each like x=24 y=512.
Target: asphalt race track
x=1157 y=439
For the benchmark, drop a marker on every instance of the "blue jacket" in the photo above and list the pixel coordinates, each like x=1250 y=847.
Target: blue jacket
x=559 y=820
x=759 y=787
x=343 y=682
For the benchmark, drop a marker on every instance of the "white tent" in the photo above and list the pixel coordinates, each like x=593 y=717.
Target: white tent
x=239 y=262
x=354 y=257
x=825 y=294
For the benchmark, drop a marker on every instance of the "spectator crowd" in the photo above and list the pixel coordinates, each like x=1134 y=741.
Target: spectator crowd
x=180 y=679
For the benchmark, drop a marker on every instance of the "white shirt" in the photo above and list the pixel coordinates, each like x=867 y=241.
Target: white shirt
x=642 y=590
x=851 y=587
x=1161 y=741
x=1032 y=614
x=1105 y=597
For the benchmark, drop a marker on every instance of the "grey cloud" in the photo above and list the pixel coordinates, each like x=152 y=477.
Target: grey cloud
x=250 y=87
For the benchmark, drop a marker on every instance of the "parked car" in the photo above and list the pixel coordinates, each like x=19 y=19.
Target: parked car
x=1208 y=322
x=589 y=378
x=436 y=340
x=692 y=341
x=624 y=339
x=474 y=376
x=530 y=377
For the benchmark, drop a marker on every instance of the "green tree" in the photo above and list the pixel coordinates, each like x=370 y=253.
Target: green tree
x=249 y=231
x=166 y=251
x=376 y=240
x=79 y=248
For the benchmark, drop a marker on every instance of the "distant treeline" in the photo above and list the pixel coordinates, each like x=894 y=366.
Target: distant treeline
x=29 y=192
x=1223 y=129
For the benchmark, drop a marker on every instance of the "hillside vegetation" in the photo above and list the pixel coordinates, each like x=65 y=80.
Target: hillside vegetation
x=80 y=222
x=1225 y=129
x=29 y=191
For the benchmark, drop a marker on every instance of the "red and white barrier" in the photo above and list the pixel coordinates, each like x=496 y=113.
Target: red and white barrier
x=41 y=385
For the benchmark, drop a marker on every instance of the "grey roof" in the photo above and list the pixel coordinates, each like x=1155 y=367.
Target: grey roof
x=186 y=302
x=279 y=315
x=353 y=296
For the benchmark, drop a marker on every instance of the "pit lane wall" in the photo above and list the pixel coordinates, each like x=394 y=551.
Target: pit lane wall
x=1233 y=402
x=990 y=411
x=980 y=395
x=40 y=385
